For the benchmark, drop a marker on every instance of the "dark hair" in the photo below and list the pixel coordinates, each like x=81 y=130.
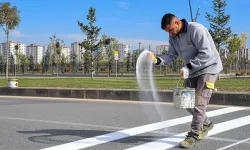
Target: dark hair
x=166 y=19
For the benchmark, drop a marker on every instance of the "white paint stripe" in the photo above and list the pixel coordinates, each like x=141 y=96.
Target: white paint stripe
x=88 y=142
x=231 y=145
x=174 y=140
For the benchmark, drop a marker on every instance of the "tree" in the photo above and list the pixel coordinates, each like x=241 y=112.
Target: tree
x=1 y=64
x=45 y=62
x=98 y=59
x=56 y=44
x=218 y=30
x=90 y=43
x=110 y=46
x=53 y=62
x=129 y=62
x=164 y=52
x=23 y=62
x=16 y=57
x=31 y=63
x=74 y=63
x=12 y=63
x=9 y=19
x=233 y=45
x=63 y=64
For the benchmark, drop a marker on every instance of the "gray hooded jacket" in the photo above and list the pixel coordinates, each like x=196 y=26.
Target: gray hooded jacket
x=195 y=46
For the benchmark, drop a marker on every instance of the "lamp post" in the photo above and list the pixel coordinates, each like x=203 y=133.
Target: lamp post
x=139 y=45
x=190 y=7
x=197 y=13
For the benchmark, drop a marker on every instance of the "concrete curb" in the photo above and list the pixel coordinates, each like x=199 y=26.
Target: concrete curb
x=221 y=98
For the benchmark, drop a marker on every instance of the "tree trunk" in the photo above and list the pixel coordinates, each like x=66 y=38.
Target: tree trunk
x=57 y=66
x=92 y=64
x=7 y=55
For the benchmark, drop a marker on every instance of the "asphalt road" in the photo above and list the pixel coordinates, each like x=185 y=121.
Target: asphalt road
x=57 y=124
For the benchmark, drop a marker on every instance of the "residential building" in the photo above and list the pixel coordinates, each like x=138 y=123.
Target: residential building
x=159 y=49
x=224 y=53
x=123 y=51
x=76 y=49
x=65 y=52
x=11 y=48
x=45 y=49
x=36 y=51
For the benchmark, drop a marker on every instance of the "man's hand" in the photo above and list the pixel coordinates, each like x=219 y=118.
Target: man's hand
x=151 y=56
x=189 y=66
x=184 y=73
x=155 y=60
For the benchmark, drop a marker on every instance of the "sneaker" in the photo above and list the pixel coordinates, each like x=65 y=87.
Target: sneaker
x=189 y=142
x=205 y=130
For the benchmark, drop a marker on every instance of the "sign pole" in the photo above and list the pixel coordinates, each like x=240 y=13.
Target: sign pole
x=116 y=68
x=116 y=58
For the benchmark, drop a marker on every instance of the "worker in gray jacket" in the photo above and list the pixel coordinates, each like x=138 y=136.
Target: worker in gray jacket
x=195 y=46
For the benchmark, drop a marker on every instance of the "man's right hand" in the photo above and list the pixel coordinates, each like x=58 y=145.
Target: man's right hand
x=155 y=60
x=150 y=56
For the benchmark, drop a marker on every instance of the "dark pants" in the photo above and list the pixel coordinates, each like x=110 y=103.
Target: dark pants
x=202 y=97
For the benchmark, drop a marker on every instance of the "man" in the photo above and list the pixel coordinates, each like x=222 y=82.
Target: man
x=194 y=44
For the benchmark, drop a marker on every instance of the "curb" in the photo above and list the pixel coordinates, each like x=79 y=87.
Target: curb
x=219 y=98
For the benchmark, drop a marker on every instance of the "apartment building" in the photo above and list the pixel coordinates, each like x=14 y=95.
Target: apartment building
x=76 y=49
x=243 y=53
x=159 y=49
x=11 y=48
x=36 y=51
x=123 y=51
x=65 y=51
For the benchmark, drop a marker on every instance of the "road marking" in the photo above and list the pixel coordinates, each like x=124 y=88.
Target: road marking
x=88 y=142
x=172 y=141
x=231 y=145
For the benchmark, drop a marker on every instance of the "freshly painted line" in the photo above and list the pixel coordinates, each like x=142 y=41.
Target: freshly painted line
x=231 y=145
x=174 y=140
x=88 y=142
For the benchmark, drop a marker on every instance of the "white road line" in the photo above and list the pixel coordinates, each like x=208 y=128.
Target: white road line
x=174 y=140
x=231 y=145
x=88 y=142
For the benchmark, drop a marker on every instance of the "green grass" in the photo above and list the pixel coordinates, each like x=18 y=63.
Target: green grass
x=166 y=83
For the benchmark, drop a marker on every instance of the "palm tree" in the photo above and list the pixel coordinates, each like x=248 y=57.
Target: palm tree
x=9 y=19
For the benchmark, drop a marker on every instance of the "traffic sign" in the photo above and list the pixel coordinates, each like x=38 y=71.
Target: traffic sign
x=116 y=52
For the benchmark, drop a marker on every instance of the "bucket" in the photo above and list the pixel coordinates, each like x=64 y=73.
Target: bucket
x=12 y=82
x=184 y=97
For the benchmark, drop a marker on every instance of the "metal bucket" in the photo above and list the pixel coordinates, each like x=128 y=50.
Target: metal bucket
x=184 y=97
x=12 y=82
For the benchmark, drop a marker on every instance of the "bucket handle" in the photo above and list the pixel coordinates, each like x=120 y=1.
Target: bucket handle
x=180 y=80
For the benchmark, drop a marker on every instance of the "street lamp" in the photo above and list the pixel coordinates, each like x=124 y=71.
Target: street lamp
x=197 y=13
x=139 y=45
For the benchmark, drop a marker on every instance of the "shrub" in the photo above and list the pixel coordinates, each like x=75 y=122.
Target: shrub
x=237 y=73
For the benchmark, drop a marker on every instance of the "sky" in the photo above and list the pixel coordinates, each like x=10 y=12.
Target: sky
x=129 y=21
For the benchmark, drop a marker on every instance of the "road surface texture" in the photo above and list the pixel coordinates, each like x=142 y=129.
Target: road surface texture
x=32 y=123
